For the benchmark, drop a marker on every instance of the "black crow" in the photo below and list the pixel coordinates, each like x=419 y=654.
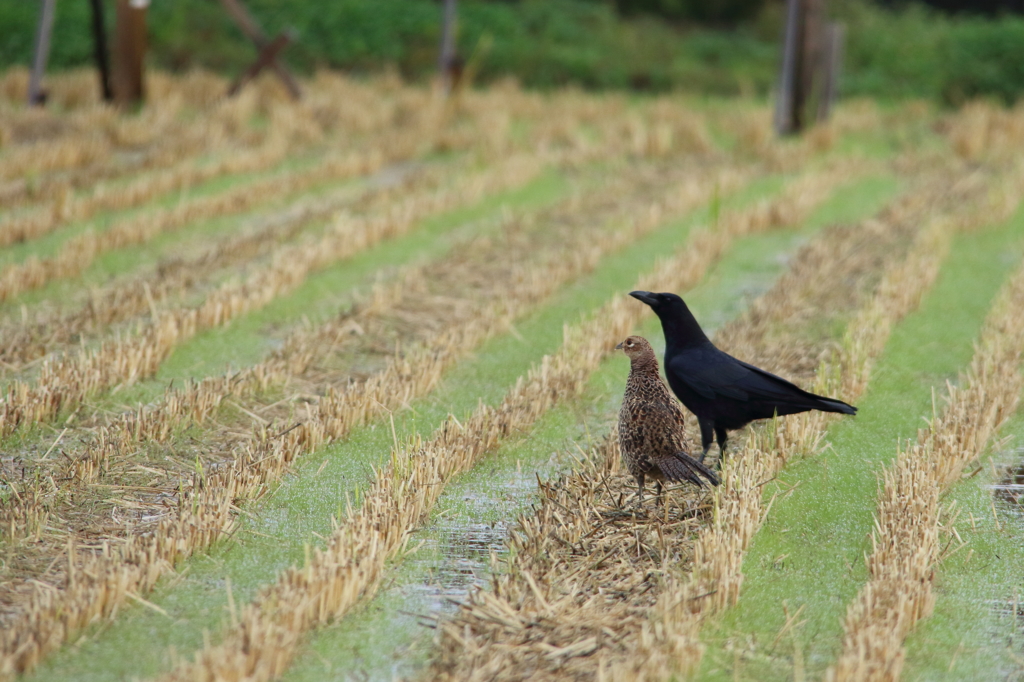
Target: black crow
x=651 y=434
x=724 y=393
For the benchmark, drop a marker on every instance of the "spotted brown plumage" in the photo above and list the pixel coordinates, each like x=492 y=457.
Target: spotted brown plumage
x=651 y=434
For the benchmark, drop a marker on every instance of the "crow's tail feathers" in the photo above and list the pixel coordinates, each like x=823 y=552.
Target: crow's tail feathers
x=682 y=467
x=832 y=405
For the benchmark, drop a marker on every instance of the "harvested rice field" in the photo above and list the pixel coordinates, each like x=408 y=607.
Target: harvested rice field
x=327 y=390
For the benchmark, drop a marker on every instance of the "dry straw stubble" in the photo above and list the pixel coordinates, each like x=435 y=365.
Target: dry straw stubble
x=26 y=338
x=541 y=154
x=66 y=381
x=672 y=644
x=908 y=524
x=98 y=590
x=110 y=146
x=79 y=252
x=190 y=133
x=546 y=620
x=347 y=571
x=585 y=570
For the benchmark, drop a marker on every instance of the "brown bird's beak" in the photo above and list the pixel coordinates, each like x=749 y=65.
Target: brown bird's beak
x=619 y=347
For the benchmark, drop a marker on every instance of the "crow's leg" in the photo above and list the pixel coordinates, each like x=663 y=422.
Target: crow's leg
x=707 y=434
x=640 y=490
x=722 y=435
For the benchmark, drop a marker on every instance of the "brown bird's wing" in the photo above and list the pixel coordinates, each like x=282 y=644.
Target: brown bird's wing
x=665 y=442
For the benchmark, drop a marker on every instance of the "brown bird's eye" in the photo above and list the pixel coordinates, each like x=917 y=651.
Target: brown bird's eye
x=630 y=344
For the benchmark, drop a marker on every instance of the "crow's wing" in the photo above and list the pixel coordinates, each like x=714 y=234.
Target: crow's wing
x=773 y=386
x=714 y=374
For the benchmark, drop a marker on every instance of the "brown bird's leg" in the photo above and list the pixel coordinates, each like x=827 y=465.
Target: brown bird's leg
x=661 y=500
x=640 y=490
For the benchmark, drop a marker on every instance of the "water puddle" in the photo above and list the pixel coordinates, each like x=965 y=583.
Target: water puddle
x=456 y=555
x=451 y=557
x=1010 y=488
x=1008 y=506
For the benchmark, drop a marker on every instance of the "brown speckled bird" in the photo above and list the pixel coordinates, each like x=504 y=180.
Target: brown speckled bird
x=651 y=425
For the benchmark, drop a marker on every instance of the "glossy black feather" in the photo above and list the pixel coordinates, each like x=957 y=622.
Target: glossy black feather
x=722 y=392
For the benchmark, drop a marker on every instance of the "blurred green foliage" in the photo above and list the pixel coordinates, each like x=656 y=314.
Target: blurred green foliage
x=71 y=44
x=917 y=52
x=983 y=62
x=706 y=46
x=722 y=12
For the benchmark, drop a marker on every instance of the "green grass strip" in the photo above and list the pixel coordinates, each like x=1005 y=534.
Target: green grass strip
x=301 y=507
x=189 y=239
x=136 y=644
x=50 y=244
x=972 y=636
x=810 y=552
x=472 y=517
x=249 y=338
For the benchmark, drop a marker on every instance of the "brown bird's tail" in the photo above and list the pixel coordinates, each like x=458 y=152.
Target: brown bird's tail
x=682 y=467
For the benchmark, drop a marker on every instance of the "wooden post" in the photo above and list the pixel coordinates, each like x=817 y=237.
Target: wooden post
x=99 y=43
x=130 y=46
x=267 y=56
x=36 y=95
x=810 y=62
x=800 y=72
x=253 y=31
x=785 y=98
x=835 y=36
x=446 y=57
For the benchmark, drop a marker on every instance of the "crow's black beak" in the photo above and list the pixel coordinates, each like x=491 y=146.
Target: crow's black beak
x=619 y=347
x=644 y=296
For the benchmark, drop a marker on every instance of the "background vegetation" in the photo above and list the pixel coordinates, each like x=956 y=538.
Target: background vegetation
x=715 y=47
